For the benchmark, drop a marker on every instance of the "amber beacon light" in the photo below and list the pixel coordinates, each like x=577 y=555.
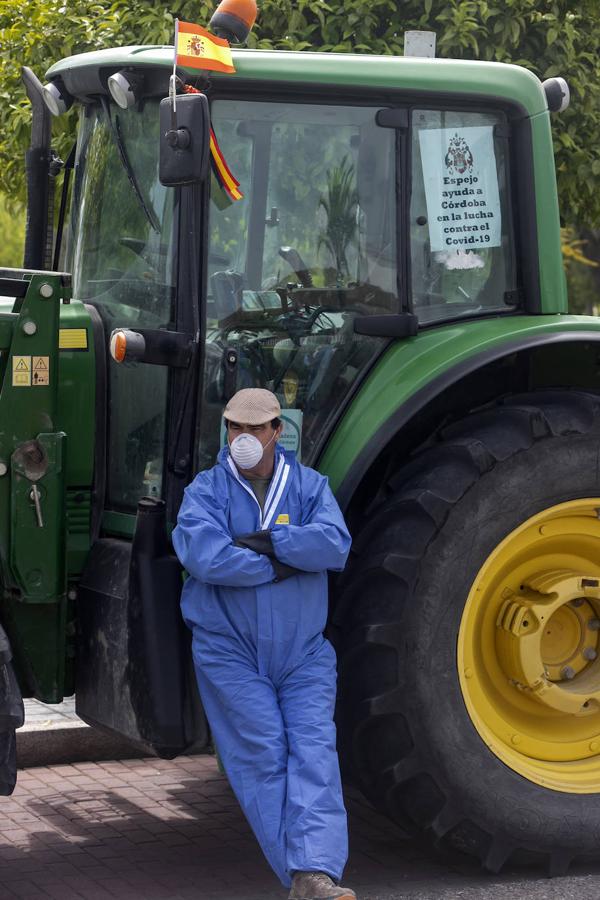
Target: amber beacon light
x=233 y=19
x=118 y=345
x=126 y=345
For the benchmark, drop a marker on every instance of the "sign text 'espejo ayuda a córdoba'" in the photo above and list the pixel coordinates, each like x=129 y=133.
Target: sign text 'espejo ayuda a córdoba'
x=461 y=187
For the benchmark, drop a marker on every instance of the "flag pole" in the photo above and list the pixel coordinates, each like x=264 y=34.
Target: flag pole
x=174 y=78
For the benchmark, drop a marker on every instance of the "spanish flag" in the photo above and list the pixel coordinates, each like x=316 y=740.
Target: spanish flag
x=222 y=172
x=196 y=48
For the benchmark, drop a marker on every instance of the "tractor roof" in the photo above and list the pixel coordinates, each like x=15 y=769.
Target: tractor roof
x=497 y=81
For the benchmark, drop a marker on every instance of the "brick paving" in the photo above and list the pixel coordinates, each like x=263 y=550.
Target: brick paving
x=159 y=830
x=150 y=829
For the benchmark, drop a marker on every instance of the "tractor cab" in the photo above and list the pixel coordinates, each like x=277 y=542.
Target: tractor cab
x=297 y=284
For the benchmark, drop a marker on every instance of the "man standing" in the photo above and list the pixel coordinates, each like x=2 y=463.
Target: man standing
x=257 y=534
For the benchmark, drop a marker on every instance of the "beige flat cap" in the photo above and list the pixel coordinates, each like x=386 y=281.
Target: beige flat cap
x=252 y=406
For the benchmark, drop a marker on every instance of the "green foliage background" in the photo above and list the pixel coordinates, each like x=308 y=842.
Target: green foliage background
x=550 y=37
x=12 y=235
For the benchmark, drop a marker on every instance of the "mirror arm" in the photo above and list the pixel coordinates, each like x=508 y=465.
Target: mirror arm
x=152 y=345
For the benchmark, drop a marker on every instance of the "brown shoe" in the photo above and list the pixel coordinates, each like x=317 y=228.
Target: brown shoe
x=317 y=886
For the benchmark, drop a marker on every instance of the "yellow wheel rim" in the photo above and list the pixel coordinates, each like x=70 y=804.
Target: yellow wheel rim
x=529 y=648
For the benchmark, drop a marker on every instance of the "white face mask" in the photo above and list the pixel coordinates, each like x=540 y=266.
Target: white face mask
x=247 y=451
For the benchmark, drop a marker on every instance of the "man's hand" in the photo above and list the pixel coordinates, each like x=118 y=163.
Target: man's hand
x=260 y=542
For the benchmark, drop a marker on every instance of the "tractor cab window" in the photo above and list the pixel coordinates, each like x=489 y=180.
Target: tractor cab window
x=122 y=263
x=311 y=245
x=462 y=245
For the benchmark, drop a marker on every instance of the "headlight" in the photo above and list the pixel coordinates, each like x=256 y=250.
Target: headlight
x=57 y=98
x=125 y=88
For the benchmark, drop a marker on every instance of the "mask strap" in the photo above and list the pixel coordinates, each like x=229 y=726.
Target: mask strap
x=269 y=441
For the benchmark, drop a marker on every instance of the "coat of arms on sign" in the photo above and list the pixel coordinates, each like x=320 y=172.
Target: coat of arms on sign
x=459 y=158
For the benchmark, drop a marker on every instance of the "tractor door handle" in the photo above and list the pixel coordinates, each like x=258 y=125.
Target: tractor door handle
x=399 y=325
x=36 y=497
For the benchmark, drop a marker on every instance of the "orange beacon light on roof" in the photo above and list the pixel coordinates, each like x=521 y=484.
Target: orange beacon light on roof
x=233 y=19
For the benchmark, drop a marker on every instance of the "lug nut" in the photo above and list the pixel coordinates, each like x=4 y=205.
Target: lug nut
x=578 y=601
x=567 y=673
x=589 y=653
x=594 y=624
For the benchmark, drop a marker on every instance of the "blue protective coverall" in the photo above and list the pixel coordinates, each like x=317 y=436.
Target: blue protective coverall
x=266 y=674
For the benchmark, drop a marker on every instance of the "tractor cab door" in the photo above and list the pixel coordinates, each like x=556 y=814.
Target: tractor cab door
x=133 y=676
x=307 y=254
x=298 y=265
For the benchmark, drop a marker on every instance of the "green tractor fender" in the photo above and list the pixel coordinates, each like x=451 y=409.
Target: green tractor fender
x=414 y=373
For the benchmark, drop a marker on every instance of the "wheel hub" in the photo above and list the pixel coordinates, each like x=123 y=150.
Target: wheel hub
x=547 y=641
x=529 y=648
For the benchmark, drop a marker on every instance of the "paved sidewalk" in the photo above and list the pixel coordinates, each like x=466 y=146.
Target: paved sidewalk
x=158 y=830
x=46 y=716
x=54 y=733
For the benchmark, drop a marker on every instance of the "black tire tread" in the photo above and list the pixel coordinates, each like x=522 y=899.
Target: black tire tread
x=388 y=550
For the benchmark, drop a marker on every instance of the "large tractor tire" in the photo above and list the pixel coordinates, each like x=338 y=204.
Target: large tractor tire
x=469 y=617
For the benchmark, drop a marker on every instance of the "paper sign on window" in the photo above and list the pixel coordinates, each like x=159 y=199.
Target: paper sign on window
x=461 y=187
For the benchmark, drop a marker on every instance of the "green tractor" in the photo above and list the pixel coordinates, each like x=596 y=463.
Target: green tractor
x=393 y=273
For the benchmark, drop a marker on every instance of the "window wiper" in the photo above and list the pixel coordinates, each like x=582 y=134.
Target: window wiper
x=115 y=130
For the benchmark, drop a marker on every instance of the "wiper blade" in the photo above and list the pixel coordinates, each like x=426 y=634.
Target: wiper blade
x=115 y=129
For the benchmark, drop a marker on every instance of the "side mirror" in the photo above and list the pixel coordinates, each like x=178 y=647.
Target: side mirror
x=184 y=142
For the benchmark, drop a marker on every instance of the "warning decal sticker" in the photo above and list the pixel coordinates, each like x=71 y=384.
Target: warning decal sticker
x=41 y=370
x=21 y=371
x=72 y=339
